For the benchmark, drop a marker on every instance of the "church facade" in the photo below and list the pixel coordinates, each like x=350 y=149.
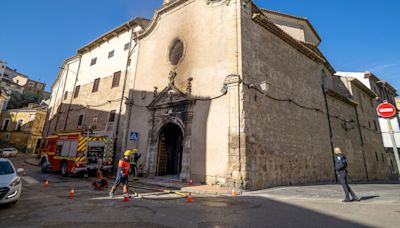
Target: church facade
x=225 y=93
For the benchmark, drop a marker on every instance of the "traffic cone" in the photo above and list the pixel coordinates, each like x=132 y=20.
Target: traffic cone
x=233 y=193
x=190 y=182
x=189 y=198
x=72 y=193
x=126 y=197
x=46 y=184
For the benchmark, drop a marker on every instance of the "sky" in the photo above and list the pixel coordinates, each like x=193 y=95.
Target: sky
x=38 y=35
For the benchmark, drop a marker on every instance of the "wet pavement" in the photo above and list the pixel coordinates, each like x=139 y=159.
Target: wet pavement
x=309 y=206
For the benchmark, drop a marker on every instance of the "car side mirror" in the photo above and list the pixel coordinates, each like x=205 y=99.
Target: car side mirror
x=20 y=170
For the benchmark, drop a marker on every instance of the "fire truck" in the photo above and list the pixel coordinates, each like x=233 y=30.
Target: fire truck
x=76 y=152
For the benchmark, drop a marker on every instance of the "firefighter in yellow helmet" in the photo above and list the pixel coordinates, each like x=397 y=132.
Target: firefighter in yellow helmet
x=134 y=159
x=122 y=173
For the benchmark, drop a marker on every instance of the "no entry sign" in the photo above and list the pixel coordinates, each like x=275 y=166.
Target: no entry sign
x=386 y=110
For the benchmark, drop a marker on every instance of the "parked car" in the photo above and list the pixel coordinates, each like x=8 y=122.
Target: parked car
x=8 y=152
x=10 y=182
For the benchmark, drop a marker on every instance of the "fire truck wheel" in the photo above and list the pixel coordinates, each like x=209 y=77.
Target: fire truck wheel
x=43 y=165
x=64 y=168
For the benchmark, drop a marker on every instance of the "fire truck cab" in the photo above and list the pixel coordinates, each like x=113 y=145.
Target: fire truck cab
x=76 y=152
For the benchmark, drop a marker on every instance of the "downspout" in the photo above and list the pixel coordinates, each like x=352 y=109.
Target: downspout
x=122 y=93
x=62 y=96
x=362 y=142
x=238 y=33
x=52 y=111
x=130 y=102
x=72 y=92
x=330 y=129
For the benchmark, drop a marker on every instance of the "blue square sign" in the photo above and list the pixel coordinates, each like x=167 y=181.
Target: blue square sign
x=134 y=136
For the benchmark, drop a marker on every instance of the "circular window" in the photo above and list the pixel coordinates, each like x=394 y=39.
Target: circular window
x=176 y=52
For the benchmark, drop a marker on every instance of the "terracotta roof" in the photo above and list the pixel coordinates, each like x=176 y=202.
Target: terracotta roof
x=143 y=22
x=379 y=81
x=340 y=97
x=260 y=18
x=294 y=17
x=360 y=85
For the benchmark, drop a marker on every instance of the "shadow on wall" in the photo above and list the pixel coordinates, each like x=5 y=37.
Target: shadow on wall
x=99 y=118
x=149 y=113
x=173 y=128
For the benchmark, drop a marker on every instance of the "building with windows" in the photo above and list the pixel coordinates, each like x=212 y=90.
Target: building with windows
x=223 y=93
x=23 y=128
x=90 y=90
x=4 y=98
x=384 y=93
x=14 y=81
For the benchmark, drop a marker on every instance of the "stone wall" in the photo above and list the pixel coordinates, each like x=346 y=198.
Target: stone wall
x=376 y=158
x=286 y=144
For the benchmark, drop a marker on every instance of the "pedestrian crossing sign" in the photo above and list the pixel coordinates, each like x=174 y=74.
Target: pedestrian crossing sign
x=134 y=136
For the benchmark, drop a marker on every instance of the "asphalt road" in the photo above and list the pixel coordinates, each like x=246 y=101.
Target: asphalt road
x=52 y=207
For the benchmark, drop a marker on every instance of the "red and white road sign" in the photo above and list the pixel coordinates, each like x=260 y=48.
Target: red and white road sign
x=386 y=110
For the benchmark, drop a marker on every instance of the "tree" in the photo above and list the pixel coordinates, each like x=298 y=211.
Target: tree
x=18 y=100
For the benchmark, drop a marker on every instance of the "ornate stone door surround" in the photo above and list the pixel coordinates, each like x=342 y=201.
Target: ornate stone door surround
x=170 y=106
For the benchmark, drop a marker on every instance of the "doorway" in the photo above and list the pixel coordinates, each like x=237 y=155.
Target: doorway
x=169 y=158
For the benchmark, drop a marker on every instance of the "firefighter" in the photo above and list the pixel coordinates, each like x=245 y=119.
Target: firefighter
x=134 y=160
x=341 y=170
x=122 y=173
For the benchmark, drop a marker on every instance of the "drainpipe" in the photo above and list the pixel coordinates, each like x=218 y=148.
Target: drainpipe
x=62 y=95
x=362 y=142
x=330 y=130
x=115 y=136
x=72 y=93
x=129 y=102
x=238 y=46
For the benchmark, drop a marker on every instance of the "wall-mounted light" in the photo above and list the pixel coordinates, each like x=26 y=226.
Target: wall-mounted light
x=224 y=89
x=262 y=87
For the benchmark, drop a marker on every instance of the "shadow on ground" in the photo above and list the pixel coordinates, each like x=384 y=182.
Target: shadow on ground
x=244 y=211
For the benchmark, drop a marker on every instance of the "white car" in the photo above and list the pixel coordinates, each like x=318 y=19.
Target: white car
x=10 y=182
x=8 y=152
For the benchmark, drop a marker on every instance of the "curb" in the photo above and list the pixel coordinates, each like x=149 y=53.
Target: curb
x=206 y=192
x=30 y=163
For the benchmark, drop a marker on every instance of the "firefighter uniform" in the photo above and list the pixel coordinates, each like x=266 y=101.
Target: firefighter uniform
x=122 y=173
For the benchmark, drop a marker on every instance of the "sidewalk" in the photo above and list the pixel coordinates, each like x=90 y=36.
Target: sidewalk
x=185 y=187
x=32 y=161
x=372 y=193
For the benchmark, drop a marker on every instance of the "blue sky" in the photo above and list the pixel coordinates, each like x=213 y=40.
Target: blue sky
x=36 y=37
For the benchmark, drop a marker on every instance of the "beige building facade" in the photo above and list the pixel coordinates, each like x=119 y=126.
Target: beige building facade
x=228 y=94
x=23 y=128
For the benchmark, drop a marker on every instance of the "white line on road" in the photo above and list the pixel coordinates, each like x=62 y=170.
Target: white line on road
x=29 y=180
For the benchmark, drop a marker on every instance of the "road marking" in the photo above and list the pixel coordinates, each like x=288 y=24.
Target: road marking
x=29 y=180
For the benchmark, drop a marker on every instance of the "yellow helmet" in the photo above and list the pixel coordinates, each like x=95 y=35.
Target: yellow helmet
x=135 y=151
x=128 y=153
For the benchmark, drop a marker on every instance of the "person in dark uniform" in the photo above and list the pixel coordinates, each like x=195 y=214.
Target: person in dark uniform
x=134 y=159
x=340 y=167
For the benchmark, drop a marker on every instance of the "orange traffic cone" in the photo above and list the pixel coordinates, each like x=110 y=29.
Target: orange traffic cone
x=72 y=193
x=233 y=193
x=126 y=197
x=190 y=182
x=46 y=184
x=189 y=198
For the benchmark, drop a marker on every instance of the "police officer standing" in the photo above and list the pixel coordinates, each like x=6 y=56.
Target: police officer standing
x=340 y=167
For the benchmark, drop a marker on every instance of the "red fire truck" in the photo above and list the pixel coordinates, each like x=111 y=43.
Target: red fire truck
x=76 y=152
